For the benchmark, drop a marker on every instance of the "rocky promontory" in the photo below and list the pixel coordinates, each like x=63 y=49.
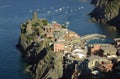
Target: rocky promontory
x=43 y=46
x=54 y=52
x=36 y=49
x=107 y=12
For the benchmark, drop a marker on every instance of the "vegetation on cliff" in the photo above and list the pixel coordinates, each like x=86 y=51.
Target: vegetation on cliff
x=35 y=49
x=107 y=11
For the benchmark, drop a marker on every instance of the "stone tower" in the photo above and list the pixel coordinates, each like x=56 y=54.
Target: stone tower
x=35 y=17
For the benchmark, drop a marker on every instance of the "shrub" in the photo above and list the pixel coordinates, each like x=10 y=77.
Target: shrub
x=63 y=26
x=45 y=22
x=35 y=24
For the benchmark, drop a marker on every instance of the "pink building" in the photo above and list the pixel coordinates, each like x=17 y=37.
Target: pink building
x=49 y=30
x=58 y=47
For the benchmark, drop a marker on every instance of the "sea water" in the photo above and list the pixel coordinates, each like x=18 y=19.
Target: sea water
x=15 y=12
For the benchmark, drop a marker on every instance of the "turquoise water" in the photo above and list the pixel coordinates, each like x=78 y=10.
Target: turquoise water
x=15 y=12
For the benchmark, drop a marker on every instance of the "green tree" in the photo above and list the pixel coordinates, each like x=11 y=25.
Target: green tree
x=45 y=22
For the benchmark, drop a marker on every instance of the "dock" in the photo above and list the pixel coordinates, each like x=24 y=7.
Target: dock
x=92 y=37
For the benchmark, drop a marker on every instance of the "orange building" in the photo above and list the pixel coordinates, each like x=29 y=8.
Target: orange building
x=58 y=47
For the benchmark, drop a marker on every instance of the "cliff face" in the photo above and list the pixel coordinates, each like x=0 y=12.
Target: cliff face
x=37 y=52
x=50 y=67
x=107 y=11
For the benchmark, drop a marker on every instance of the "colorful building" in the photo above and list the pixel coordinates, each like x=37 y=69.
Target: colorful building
x=105 y=66
x=57 y=27
x=95 y=48
x=49 y=28
x=58 y=47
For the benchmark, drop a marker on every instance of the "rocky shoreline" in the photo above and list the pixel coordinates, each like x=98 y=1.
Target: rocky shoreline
x=106 y=12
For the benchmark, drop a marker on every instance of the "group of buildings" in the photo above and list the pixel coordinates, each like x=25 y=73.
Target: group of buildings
x=95 y=58
x=62 y=38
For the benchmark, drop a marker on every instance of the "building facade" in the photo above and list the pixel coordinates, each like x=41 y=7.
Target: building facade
x=58 y=47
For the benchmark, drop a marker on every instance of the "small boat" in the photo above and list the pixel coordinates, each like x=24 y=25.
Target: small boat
x=38 y=9
x=82 y=7
x=79 y=8
x=71 y=11
x=56 y=10
x=66 y=12
x=30 y=11
x=60 y=9
x=48 y=12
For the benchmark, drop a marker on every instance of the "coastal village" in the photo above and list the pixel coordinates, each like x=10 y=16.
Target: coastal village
x=86 y=60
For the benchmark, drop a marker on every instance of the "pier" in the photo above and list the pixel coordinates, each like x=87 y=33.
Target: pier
x=92 y=37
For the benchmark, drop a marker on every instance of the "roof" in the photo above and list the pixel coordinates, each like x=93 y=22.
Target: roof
x=117 y=39
x=78 y=50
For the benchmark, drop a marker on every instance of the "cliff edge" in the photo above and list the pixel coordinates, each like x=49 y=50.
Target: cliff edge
x=36 y=49
x=107 y=12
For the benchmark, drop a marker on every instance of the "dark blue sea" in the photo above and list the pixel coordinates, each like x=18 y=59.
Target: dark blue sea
x=15 y=12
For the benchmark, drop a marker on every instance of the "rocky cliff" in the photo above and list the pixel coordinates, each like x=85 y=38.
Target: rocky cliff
x=107 y=11
x=37 y=52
